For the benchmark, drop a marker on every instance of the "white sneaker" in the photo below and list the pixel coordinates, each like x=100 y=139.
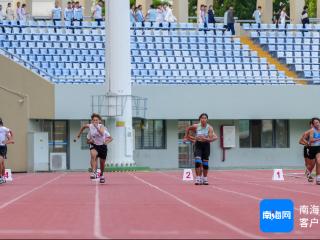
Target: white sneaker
x=205 y=181
x=198 y=181
x=93 y=175
x=318 y=180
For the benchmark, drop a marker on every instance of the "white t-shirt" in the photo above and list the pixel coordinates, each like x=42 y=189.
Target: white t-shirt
x=19 y=13
x=97 y=12
x=68 y=14
x=283 y=16
x=56 y=13
x=10 y=13
x=4 y=133
x=78 y=13
x=105 y=136
x=95 y=135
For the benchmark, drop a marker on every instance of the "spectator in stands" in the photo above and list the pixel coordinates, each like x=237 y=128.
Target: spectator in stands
x=68 y=12
x=201 y=16
x=18 y=13
x=257 y=16
x=23 y=12
x=164 y=12
x=230 y=20
x=283 y=17
x=170 y=18
x=2 y=17
x=304 y=17
x=139 y=15
x=56 y=13
x=225 y=21
x=97 y=13
x=160 y=18
x=152 y=14
x=133 y=14
x=78 y=13
x=9 y=12
x=211 y=18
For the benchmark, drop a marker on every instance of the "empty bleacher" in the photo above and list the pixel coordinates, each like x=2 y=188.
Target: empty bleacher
x=293 y=45
x=182 y=53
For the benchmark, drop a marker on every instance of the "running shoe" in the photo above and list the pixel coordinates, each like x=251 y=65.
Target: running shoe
x=309 y=177
x=93 y=175
x=318 y=180
x=205 y=181
x=198 y=181
x=102 y=179
x=1 y=181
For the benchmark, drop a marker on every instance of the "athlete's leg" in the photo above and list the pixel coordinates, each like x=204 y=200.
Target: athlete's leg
x=318 y=168
x=102 y=166
x=93 y=162
x=1 y=167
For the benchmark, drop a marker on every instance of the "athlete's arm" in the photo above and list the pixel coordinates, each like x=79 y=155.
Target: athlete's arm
x=303 y=139
x=187 y=136
x=108 y=140
x=100 y=129
x=211 y=138
x=82 y=129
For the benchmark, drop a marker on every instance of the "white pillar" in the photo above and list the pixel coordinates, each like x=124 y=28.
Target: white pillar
x=180 y=10
x=318 y=8
x=267 y=10
x=118 y=66
x=296 y=8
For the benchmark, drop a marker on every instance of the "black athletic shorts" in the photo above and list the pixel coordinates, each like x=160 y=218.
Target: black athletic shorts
x=3 y=151
x=314 y=150
x=202 y=150
x=102 y=150
x=306 y=151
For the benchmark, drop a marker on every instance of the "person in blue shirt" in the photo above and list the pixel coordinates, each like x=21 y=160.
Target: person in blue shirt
x=152 y=15
x=78 y=13
x=139 y=15
x=133 y=14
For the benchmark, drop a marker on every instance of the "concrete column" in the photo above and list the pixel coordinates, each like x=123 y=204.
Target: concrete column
x=87 y=5
x=318 y=8
x=296 y=8
x=180 y=10
x=267 y=10
x=118 y=79
x=145 y=5
x=63 y=4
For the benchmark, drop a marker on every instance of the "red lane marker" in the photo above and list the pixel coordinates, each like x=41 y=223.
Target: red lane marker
x=212 y=217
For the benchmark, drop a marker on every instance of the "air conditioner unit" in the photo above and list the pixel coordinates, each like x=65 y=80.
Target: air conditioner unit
x=58 y=161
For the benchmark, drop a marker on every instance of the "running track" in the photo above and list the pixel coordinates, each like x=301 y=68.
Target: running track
x=147 y=205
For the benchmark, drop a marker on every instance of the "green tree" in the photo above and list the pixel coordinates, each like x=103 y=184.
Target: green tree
x=312 y=8
x=192 y=10
x=242 y=9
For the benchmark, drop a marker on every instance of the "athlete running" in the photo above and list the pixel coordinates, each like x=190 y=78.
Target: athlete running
x=315 y=146
x=5 y=138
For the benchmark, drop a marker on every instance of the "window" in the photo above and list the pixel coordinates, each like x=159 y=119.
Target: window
x=264 y=133
x=149 y=134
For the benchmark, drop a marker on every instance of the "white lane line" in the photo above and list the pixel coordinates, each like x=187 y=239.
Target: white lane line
x=212 y=217
x=97 y=216
x=29 y=192
x=30 y=231
x=227 y=191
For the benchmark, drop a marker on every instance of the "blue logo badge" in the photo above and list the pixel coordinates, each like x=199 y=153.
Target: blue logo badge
x=276 y=215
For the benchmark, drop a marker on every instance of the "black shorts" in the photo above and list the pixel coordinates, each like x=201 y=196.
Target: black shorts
x=102 y=150
x=202 y=150
x=314 y=150
x=306 y=151
x=3 y=151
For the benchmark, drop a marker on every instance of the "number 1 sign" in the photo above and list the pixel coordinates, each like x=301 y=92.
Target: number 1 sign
x=187 y=175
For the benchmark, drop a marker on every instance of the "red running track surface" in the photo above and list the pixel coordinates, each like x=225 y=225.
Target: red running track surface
x=147 y=205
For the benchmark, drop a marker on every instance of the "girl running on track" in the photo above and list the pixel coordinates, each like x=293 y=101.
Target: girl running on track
x=315 y=146
x=107 y=140
x=201 y=135
x=5 y=138
x=309 y=163
x=98 y=149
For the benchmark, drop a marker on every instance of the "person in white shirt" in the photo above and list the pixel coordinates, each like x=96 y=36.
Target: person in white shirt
x=56 y=13
x=97 y=13
x=257 y=16
x=98 y=149
x=170 y=18
x=23 y=16
x=78 y=13
x=18 y=12
x=283 y=16
x=68 y=13
x=9 y=12
x=2 y=15
x=201 y=16
x=160 y=18
x=5 y=138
